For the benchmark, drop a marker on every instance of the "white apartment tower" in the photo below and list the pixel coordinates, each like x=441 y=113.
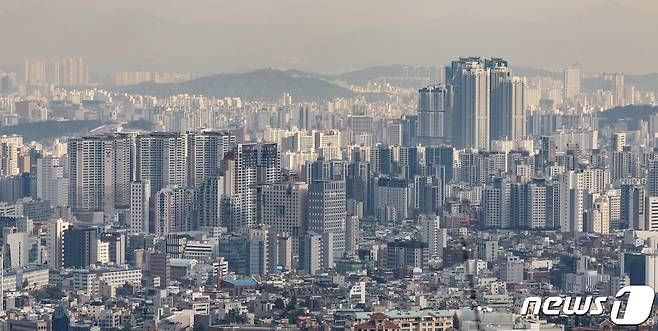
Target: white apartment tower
x=52 y=186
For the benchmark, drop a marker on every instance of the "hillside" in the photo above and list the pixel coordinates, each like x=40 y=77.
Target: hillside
x=48 y=130
x=264 y=84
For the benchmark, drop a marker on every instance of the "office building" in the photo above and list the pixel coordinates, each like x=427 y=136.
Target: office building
x=327 y=212
x=284 y=209
x=80 y=247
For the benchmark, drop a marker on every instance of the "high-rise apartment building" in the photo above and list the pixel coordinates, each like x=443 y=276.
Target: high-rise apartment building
x=205 y=153
x=496 y=204
x=173 y=210
x=99 y=172
x=162 y=158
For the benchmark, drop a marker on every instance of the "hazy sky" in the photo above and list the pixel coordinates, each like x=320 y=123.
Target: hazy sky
x=209 y=36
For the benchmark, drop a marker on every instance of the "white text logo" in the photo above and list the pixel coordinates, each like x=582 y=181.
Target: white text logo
x=638 y=305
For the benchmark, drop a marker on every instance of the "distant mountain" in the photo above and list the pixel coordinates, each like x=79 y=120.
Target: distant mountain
x=264 y=84
x=532 y=72
x=631 y=115
x=646 y=82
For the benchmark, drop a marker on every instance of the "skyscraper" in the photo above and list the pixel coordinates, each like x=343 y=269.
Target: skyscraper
x=258 y=251
x=327 y=211
x=652 y=178
x=508 y=120
x=392 y=198
x=614 y=82
x=268 y=163
x=433 y=104
x=316 y=253
x=9 y=155
x=35 y=72
x=73 y=72
x=471 y=83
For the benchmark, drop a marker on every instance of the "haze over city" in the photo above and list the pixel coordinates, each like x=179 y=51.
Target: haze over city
x=206 y=37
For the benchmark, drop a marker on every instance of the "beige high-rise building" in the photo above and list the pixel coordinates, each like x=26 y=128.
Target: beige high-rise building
x=599 y=216
x=571 y=83
x=284 y=209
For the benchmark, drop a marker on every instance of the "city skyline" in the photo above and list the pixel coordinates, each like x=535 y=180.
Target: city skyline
x=157 y=172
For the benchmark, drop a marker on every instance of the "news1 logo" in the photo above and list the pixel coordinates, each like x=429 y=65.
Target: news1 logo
x=638 y=305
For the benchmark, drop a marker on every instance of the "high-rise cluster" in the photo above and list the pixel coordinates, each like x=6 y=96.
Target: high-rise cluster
x=480 y=101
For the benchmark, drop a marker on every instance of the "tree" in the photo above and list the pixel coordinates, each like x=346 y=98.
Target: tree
x=49 y=293
x=279 y=304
